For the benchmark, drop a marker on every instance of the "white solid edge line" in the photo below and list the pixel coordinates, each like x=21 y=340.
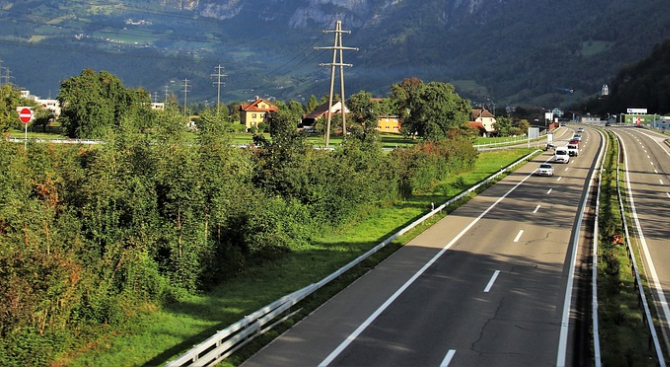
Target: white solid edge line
x=656 y=283
x=493 y=280
x=409 y=282
x=448 y=357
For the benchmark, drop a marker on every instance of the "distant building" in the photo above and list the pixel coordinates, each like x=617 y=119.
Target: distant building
x=483 y=120
x=158 y=106
x=388 y=124
x=605 y=90
x=49 y=104
x=322 y=111
x=255 y=112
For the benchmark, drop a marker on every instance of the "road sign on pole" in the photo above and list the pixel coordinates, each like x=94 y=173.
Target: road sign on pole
x=25 y=115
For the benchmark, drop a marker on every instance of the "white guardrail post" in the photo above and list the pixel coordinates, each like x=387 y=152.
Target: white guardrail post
x=224 y=342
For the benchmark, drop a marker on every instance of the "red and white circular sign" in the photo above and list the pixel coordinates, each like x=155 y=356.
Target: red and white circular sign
x=25 y=115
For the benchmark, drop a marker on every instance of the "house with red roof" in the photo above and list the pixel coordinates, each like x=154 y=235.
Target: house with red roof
x=256 y=112
x=483 y=121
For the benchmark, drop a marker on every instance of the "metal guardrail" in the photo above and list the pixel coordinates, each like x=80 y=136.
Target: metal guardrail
x=631 y=255
x=219 y=346
x=594 y=262
x=56 y=141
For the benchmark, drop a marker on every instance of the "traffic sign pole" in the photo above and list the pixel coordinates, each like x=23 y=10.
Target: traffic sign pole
x=25 y=115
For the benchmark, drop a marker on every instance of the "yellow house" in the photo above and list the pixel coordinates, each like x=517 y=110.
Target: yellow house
x=388 y=124
x=255 y=112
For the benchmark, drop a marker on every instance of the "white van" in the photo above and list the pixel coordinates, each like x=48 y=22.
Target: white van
x=573 y=150
x=561 y=155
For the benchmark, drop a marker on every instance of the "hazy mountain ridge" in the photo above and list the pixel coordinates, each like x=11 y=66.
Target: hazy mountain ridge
x=506 y=50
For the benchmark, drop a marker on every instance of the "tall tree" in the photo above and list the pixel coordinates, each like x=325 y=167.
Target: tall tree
x=93 y=104
x=433 y=110
x=10 y=98
x=312 y=104
x=364 y=116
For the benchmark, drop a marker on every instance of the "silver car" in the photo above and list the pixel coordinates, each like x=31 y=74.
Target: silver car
x=545 y=169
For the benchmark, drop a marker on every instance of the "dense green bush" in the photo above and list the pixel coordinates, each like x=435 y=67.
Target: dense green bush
x=99 y=235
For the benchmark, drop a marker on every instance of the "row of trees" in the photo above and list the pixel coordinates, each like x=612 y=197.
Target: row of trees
x=99 y=235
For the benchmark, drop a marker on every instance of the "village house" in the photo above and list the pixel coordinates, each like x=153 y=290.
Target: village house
x=388 y=124
x=322 y=111
x=483 y=121
x=256 y=112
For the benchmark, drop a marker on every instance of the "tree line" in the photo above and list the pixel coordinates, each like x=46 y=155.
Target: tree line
x=99 y=235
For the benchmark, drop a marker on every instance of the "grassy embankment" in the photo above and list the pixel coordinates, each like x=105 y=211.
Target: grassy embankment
x=624 y=336
x=177 y=327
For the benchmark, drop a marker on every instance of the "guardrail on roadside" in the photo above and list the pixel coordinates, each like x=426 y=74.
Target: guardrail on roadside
x=219 y=346
x=595 y=319
x=56 y=141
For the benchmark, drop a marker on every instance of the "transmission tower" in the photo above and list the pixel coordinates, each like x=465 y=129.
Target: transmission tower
x=218 y=84
x=166 y=90
x=185 y=86
x=336 y=47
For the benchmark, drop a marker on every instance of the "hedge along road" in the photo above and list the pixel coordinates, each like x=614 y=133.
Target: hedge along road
x=486 y=285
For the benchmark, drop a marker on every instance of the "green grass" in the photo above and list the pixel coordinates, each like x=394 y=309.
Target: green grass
x=175 y=328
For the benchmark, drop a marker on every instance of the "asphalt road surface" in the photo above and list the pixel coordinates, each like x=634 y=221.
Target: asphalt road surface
x=648 y=166
x=485 y=286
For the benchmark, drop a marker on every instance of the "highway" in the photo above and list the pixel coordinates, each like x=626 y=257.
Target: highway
x=648 y=177
x=485 y=286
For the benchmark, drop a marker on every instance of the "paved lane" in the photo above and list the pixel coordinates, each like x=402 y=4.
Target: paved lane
x=648 y=160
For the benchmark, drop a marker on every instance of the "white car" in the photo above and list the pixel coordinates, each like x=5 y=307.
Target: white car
x=580 y=130
x=561 y=155
x=545 y=169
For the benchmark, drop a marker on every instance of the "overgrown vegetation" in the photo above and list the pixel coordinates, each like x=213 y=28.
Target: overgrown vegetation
x=624 y=337
x=96 y=238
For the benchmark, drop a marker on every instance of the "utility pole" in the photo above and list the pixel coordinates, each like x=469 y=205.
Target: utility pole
x=185 y=85
x=166 y=90
x=1 y=73
x=7 y=77
x=218 y=84
x=336 y=47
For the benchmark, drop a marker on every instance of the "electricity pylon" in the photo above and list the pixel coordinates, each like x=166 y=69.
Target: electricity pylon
x=336 y=47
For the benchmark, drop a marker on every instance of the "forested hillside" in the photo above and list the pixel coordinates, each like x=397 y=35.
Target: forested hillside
x=644 y=84
x=507 y=52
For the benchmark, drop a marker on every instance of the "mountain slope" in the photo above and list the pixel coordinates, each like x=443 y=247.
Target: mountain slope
x=510 y=51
